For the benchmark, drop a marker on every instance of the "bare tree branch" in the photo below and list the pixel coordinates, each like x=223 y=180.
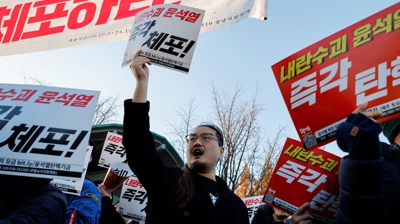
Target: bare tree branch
x=188 y=117
x=250 y=155
x=35 y=80
x=106 y=110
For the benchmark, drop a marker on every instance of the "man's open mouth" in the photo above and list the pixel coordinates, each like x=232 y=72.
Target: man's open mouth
x=197 y=152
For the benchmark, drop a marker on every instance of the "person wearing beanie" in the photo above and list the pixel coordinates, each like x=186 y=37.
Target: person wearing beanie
x=370 y=174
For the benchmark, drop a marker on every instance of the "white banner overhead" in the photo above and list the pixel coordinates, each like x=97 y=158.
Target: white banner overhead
x=39 y=25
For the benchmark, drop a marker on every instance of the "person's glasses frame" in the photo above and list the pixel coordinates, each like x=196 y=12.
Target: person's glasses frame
x=205 y=137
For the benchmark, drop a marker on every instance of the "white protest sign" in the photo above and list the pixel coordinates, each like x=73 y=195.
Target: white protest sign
x=113 y=150
x=35 y=25
x=252 y=204
x=133 y=200
x=167 y=34
x=44 y=131
x=74 y=187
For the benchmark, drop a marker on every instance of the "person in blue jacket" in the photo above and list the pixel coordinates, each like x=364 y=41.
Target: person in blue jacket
x=86 y=207
x=370 y=174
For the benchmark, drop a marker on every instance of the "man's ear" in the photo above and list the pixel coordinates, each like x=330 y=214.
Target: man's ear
x=221 y=151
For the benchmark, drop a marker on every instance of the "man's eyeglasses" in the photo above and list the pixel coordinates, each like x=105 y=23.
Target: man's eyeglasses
x=205 y=137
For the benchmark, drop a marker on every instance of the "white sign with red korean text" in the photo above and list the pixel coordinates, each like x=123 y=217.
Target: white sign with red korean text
x=113 y=150
x=39 y=25
x=133 y=200
x=74 y=187
x=252 y=204
x=167 y=34
x=44 y=131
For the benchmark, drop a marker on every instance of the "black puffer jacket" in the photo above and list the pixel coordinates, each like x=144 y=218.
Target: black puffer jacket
x=30 y=200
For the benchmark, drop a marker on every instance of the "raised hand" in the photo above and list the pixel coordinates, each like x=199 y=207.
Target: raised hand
x=139 y=67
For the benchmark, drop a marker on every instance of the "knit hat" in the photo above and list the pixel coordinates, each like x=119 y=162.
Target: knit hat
x=391 y=129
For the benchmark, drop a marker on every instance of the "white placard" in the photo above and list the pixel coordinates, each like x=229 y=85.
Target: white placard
x=74 y=187
x=44 y=131
x=167 y=35
x=133 y=200
x=113 y=150
x=252 y=204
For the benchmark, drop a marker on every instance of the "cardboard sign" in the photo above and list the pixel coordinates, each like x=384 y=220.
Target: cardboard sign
x=167 y=34
x=252 y=204
x=44 y=131
x=113 y=150
x=326 y=81
x=302 y=176
x=74 y=187
x=133 y=200
x=35 y=25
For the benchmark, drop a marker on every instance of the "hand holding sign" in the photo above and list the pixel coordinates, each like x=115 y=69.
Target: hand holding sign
x=299 y=217
x=167 y=39
x=371 y=114
x=116 y=175
x=103 y=192
x=138 y=66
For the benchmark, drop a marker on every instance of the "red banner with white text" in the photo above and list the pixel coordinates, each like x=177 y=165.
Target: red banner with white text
x=302 y=176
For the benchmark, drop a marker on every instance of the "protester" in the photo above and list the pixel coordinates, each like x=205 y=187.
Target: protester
x=193 y=194
x=30 y=200
x=268 y=215
x=370 y=174
x=86 y=207
x=109 y=213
